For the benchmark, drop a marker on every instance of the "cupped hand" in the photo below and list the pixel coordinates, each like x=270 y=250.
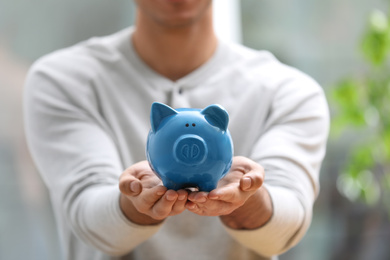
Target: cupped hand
x=233 y=191
x=144 y=200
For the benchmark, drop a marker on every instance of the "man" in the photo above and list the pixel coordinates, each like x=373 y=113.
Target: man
x=87 y=109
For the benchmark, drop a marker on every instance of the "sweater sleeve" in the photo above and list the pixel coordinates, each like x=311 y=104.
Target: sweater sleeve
x=291 y=149
x=77 y=157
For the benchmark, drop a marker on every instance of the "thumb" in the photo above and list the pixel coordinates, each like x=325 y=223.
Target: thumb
x=130 y=186
x=251 y=181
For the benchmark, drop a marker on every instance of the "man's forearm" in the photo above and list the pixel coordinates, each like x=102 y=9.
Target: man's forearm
x=255 y=212
x=97 y=219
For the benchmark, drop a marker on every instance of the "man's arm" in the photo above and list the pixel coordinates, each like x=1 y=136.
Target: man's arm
x=275 y=216
x=77 y=157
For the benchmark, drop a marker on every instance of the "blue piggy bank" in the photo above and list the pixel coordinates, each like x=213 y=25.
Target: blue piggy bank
x=189 y=147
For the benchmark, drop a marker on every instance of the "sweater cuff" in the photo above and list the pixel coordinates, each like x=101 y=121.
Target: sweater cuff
x=273 y=238
x=110 y=230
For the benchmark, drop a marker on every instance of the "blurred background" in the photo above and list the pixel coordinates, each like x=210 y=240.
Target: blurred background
x=343 y=44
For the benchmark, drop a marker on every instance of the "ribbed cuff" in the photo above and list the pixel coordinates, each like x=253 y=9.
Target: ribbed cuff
x=273 y=237
x=108 y=228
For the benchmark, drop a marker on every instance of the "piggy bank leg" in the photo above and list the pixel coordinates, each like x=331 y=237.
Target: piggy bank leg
x=170 y=185
x=209 y=186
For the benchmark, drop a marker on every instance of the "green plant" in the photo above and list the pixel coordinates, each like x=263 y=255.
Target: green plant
x=362 y=103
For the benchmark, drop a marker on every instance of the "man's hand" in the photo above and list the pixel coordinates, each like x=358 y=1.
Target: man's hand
x=239 y=199
x=144 y=200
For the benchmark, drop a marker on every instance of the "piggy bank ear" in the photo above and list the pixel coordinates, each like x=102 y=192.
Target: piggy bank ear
x=217 y=116
x=158 y=112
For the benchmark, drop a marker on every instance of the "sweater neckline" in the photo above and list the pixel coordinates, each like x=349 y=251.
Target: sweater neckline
x=193 y=79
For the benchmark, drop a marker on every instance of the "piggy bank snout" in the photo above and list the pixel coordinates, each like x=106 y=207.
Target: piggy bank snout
x=190 y=149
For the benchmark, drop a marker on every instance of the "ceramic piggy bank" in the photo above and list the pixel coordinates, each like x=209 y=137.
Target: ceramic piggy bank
x=189 y=147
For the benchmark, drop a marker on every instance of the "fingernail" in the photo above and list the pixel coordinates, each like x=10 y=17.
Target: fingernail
x=201 y=199
x=246 y=183
x=191 y=206
x=171 y=197
x=181 y=197
x=135 y=187
x=213 y=196
x=191 y=197
x=160 y=192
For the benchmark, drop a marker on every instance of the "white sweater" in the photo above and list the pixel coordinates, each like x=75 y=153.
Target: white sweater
x=87 y=118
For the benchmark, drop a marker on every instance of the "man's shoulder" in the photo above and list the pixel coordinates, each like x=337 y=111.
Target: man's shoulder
x=84 y=56
x=245 y=54
x=259 y=62
x=263 y=66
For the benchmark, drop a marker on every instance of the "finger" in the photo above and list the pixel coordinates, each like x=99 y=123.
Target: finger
x=145 y=201
x=198 y=197
x=152 y=195
x=130 y=185
x=190 y=205
x=180 y=203
x=203 y=209
x=226 y=193
x=252 y=180
x=136 y=187
x=163 y=207
x=129 y=181
x=139 y=169
x=211 y=208
x=245 y=183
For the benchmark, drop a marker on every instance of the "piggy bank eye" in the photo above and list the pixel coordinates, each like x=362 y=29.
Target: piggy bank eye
x=187 y=125
x=193 y=124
